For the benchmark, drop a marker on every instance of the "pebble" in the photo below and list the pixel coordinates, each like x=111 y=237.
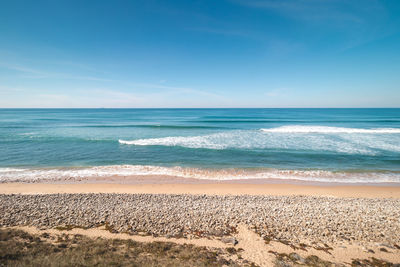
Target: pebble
x=295 y=218
x=229 y=240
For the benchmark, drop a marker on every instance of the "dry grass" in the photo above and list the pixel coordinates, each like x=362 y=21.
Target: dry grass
x=18 y=248
x=373 y=262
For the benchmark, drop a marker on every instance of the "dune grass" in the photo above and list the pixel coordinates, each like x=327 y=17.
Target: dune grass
x=18 y=248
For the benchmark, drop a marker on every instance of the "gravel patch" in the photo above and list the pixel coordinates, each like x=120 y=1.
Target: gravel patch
x=297 y=219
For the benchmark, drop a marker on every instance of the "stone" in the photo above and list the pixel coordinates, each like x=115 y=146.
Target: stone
x=229 y=240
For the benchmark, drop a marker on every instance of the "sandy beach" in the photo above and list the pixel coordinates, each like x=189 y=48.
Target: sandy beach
x=269 y=224
x=205 y=188
x=257 y=133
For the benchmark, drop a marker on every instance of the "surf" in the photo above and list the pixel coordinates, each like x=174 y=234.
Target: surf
x=122 y=171
x=329 y=130
x=288 y=138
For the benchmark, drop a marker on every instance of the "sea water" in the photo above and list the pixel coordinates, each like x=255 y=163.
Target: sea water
x=321 y=145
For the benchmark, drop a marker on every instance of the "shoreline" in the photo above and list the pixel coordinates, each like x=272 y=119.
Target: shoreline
x=271 y=189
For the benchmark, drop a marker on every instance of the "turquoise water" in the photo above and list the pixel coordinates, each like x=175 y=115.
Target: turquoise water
x=331 y=145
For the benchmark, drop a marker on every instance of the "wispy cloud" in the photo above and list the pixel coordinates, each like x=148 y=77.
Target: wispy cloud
x=78 y=65
x=357 y=21
x=173 y=89
x=87 y=78
x=24 y=69
x=33 y=73
x=115 y=97
x=345 y=12
x=36 y=73
x=104 y=93
x=10 y=90
x=275 y=45
x=104 y=97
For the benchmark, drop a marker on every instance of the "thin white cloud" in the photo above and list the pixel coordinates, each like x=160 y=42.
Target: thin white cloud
x=9 y=90
x=353 y=12
x=78 y=65
x=40 y=74
x=20 y=68
x=358 y=21
x=174 y=89
x=86 y=78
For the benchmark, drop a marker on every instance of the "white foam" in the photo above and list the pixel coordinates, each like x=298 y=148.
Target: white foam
x=122 y=171
x=328 y=129
x=5 y=170
x=214 y=141
x=300 y=138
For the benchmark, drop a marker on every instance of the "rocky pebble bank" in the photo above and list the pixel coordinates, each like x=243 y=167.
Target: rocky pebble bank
x=293 y=218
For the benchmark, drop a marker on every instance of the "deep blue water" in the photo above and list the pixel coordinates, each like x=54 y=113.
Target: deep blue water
x=308 y=144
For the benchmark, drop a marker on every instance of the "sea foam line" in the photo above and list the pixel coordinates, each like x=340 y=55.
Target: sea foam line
x=122 y=171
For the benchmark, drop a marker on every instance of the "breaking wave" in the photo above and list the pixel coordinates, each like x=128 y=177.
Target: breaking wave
x=123 y=171
x=300 y=138
x=329 y=130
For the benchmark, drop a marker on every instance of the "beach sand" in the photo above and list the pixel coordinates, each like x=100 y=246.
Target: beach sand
x=273 y=224
x=204 y=188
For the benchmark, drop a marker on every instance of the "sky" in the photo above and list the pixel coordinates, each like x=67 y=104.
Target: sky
x=199 y=54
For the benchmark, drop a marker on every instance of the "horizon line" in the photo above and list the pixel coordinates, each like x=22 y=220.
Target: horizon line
x=213 y=108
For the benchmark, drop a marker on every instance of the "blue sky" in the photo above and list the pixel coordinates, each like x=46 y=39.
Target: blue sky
x=233 y=53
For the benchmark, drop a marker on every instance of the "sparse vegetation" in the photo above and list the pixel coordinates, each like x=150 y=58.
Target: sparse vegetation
x=18 y=248
x=325 y=248
x=231 y=250
x=293 y=259
x=372 y=262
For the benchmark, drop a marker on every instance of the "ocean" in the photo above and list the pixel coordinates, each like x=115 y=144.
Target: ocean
x=313 y=145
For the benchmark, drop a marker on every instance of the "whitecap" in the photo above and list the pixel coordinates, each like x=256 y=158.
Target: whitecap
x=329 y=130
